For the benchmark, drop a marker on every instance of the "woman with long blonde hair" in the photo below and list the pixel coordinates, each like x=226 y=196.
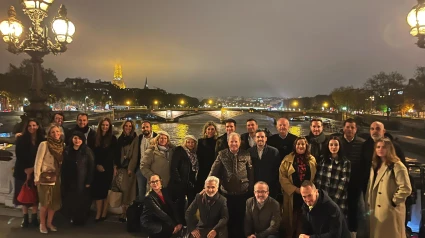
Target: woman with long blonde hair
x=388 y=188
x=205 y=153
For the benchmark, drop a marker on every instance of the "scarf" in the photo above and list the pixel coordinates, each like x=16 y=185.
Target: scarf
x=193 y=160
x=125 y=140
x=318 y=140
x=163 y=150
x=56 y=149
x=302 y=167
x=84 y=130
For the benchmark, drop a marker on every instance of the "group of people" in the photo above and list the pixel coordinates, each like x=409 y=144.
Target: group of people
x=270 y=186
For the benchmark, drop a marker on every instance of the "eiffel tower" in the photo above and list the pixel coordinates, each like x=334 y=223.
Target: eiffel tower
x=118 y=80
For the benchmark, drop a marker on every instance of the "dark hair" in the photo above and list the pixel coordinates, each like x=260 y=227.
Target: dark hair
x=146 y=121
x=327 y=153
x=316 y=119
x=308 y=183
x=230 y=121
x=307 y=149
x=350 y=120
x=40 y=134
x=103 y=141
x=251 y=119
x=60 y=114
x=261 y=130
x=82 y=114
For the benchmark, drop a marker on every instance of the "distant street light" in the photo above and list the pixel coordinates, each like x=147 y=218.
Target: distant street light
x=325 y=104
x=416 y=20
x=128 y=102
x=37 y=44
x=155 y=102
x=295 y=103
x=210 y=101
x=87 y=105
x=182 y=102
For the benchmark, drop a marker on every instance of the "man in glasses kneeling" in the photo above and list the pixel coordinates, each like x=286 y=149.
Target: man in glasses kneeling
x=262 y=216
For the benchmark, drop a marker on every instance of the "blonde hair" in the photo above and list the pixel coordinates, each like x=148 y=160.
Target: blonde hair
x=208 y=124
x=155 y=140
x=391 y=156
x=185 y=141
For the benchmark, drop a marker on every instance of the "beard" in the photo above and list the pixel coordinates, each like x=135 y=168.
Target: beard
x=146 y=133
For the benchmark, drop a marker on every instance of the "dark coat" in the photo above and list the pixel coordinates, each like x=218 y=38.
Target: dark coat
x=90 y=140
x=181 y=180
x=318 y=145
x=25 y=156
x=221 y=144
x=205 y=153
x=245 y=141
x=266 y=169
x=235 y=173
x=352 y=150
x=285 y=146
x=214 y=216
x=264 y=222
x=325 y=219
x=156 y=211
x=80 y=167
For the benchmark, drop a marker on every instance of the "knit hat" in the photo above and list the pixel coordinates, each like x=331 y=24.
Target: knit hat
x=191 y=137
x=80 y=135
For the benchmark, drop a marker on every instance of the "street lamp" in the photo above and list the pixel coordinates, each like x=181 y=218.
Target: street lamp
x=182 y=102
x=416 y=20
x=85 y=101
x=37 y=44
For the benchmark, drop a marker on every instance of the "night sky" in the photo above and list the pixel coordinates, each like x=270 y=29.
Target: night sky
x=233 y=47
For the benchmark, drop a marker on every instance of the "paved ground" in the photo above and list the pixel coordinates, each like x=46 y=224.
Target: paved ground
x=10 y=228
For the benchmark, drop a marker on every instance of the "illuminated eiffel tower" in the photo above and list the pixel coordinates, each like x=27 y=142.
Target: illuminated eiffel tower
x=118 y=80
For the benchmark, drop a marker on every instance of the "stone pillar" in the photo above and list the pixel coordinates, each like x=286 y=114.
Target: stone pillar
x=7 y=163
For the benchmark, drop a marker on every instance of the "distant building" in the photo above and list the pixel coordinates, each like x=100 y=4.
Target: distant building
x=146 y=84
x=118 y=80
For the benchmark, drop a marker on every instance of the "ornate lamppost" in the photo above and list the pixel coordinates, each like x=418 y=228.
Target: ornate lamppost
x=36 y=43
x=416 y=20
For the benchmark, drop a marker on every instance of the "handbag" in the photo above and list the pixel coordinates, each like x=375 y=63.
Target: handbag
x=28 y=194
x=115 y=194
x=48 y=177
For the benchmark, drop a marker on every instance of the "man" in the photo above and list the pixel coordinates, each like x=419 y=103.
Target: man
x=83 y=127
x=262 y=215
x=352 y=149
x=235 y=168
x=58 y=118
x=265 y=162
x=144 y=141
x=213 y=214
x=283 y=141
x=248 y=138
x=323 y=218
x=222 y=141
x=317 y=139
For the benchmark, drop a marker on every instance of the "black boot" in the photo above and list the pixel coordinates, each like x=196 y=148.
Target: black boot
x=34 y=220
x=25 y=221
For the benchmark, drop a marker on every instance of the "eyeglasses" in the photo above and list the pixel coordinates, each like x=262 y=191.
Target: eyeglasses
x=261 y=192
x=155 y=181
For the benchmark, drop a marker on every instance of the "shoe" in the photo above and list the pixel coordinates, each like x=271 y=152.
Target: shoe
x=25 y=221
x=34 y=220
x=97 y=220
x=43 y=231
x=103 y=219
x=52 y=228
x=123 y=220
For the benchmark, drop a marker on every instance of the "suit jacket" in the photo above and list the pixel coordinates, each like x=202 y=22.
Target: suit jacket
x=245 y=141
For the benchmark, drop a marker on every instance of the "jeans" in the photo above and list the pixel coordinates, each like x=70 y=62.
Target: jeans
x=141 y=185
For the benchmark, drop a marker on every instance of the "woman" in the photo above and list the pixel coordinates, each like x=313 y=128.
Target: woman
x=205 y=153
x=333 y=173
x=295 y=168
x=77 y=176
x=26 y=150
x=159 y=217
x=157 y=158
x=125 y=165
x=105 y=152
x=388 y=188
x=184 y=168
x=47 y=170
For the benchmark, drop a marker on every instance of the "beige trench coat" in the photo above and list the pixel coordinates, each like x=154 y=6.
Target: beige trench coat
x=155 y=162
x=285 y=178
x=386 y=198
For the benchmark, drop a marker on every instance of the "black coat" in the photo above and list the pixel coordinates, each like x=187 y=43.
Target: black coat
x=325 y=219
x=266 y=169
x=206 y=158
x=25 y=156
x=221 y=144
x=318 y=145
x=285 y=146
x=182 y=177
x=156 y=211
x=352 y=150
x=77 y=168
x=245 y=141
x=212 y=216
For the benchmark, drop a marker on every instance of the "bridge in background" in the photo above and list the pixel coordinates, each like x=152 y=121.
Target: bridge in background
x=173 y=114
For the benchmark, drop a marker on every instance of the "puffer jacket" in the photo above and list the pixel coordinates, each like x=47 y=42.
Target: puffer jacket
x=235 y=172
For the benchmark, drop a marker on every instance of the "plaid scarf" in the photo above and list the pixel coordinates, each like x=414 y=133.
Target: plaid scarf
x=56 y=149
x=193 y=160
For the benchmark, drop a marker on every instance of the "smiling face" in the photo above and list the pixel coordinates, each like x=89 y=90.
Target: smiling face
x=210 y=131
x=55 y=133
x=251 y=127
x=350 y=129
x=316 y=128
x=377 y=130
x=82 y=121
x=190 y=144
x=155 y=183
x=77 y=141
x=32 y=127
x=301 y=146
x=230 y=127
x=211 y=188
x=58 y=119
x=282 y=126
x=128 y=127
x=333 y=146
x=261 y=192
x=234 y=143
x=105 y=126
x=162 y=140
x=309 y=195
x=260 y=139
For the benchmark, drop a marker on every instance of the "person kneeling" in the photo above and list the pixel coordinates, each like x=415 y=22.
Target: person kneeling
x=323 y=217
x=213 y=213
x=159 y=217
x=262 y=216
